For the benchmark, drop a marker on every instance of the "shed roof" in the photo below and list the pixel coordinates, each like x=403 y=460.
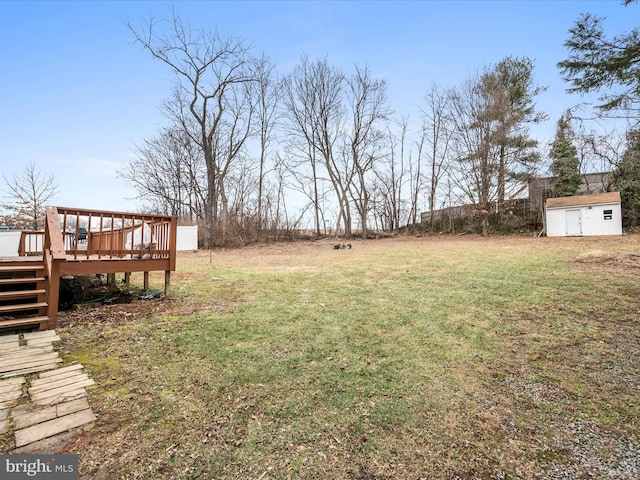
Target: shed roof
x=577 y=200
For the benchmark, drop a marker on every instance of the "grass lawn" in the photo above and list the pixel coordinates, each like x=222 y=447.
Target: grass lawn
x=409 y=358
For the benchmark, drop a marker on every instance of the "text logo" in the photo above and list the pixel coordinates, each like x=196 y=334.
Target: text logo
x=49 y=467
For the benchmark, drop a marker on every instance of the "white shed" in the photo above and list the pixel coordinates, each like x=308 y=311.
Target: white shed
x=599 y=214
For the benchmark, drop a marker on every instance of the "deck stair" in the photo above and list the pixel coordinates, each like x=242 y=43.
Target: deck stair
x=23 y=294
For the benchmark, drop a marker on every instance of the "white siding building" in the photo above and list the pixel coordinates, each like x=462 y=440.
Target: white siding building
x=187 y=238
x=584 y=215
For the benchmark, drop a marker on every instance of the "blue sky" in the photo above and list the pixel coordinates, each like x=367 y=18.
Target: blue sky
x=78 y=94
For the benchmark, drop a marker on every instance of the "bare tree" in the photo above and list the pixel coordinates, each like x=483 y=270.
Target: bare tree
x=313 y=116
x=275 y=204
x=210 y=73
x=28 y=194
x=437 y=132
x=267 y=90
x=401 y=161
x=600 y=147
x=391 y=178
x=168 y=173
x=476 y=124
x=367 y=109
x=230 y=144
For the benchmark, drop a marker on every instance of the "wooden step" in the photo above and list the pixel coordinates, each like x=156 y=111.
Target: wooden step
x=47 y=378
x=22 y=322
x=21 y=268
x=50 y=336
x=22 y=307
x=57 y=388
x=30 y=356
x=14 y=295
x=11 y=281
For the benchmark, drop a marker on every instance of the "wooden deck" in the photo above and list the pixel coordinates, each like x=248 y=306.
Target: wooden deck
x=38 y=409
x=80 y=242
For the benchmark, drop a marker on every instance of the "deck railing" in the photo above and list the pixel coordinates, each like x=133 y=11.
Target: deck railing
x=95 y=234
x=31 y=243
x=117 y=235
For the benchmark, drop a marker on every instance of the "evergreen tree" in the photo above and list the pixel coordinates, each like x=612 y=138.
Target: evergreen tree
x=610 y=66
x=518 y=153
x=626 y=178
x=490 y=114
x=565 y=164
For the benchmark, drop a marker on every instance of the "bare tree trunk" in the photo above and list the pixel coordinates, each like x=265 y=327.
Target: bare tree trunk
x=316 y=199
x=268 y=95
x=416 y=184
x=210 y=208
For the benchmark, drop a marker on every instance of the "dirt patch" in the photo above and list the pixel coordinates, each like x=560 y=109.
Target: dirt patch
x=617 y=260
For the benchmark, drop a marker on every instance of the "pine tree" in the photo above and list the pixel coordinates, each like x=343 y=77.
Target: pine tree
x=610 y=66
x=518 y=153
x=626 y=178
x=565 y=164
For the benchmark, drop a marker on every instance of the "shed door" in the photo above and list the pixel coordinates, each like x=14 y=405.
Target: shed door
x=574 y=222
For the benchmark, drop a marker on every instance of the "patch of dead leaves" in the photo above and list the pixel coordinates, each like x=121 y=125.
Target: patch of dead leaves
x=616 y=260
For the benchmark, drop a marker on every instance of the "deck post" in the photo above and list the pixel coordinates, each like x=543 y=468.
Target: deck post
x=167 y=283
x=127 y=278
x=145 y=285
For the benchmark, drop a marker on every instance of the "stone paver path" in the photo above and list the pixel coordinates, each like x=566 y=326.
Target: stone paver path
x=38 y=398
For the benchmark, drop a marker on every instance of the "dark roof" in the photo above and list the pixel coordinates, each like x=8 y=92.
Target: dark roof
x=577 y=200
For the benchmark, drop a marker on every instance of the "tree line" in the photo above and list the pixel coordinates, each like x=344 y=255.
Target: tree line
x=252 y=152
x=243 y=140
